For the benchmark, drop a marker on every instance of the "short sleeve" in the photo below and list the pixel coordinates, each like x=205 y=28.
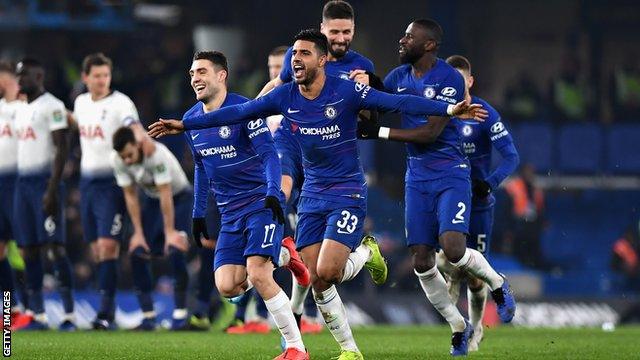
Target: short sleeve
x=56 y=115
x=160 y=167
x=123 y=178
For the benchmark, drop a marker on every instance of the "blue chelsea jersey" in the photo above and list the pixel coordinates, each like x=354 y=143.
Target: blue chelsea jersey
x=478 y=139
x=444 y=157
x=325 y=128
x=238 y=163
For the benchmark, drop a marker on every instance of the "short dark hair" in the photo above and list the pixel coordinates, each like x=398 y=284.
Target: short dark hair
x=279 y=51
x=337 y=9
x=432 y=27
x=459 y=62
x=122 y=137
x=216 y=58
x=95 y=59
x=8 y=67
x=316 y=37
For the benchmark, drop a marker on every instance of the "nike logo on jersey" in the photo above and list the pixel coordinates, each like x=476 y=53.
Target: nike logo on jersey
x=401 y=89
x=264 y=246
x=291 y=111
x=454 y=221
x=193 y=137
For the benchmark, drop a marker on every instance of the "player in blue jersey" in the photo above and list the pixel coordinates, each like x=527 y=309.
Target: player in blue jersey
x=41 y=126
x=338 y=26
x=478 y=140
x=437 y=189
x=240 y=165
x=323 y=114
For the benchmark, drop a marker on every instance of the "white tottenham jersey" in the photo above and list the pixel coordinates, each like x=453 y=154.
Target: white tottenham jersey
x=97 y=121
x=34 y=123
x=8 y=136
x=160 y=168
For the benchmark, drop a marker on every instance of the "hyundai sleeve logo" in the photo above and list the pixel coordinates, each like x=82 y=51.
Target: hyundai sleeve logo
x=448 y=91
x=254 y=124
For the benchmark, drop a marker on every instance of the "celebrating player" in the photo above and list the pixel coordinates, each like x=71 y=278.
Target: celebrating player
x=323 y=112
x=338 y=25
x=478 y=139
x=240 y=165
x=437 y=189
x=99 y=113
x=167 y=197
x=41 y=127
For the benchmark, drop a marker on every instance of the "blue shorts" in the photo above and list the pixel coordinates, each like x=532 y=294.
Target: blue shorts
x=480 y=229
x=434 y=207
x=7 y=190
x=102 y=209
x=152 y=224
x=255 y=233
x=324 y=219
x=33 y=226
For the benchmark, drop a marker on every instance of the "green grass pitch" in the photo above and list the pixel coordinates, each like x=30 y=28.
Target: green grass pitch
x=380 y=342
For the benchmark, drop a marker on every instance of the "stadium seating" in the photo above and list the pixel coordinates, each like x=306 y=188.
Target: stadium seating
x=580 y=148
x=622 y=141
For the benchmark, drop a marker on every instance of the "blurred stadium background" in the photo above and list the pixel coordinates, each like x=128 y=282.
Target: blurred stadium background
x=565 y=76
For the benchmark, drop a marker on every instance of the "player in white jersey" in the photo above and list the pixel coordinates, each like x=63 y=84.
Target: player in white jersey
x=99 y=113
x=167 y=196
x=41 y=126
x=9 y=103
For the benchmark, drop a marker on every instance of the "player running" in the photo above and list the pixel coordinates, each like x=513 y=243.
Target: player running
x=167 y=197
x=323 y=114
x=478 y=139
x=240 y=165
x=437 y=188
x=41 y=128
x=99 y=113
x=338 y=25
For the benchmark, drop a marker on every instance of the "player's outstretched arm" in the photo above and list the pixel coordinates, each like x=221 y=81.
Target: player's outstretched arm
x=230 y=115
x=424 y=134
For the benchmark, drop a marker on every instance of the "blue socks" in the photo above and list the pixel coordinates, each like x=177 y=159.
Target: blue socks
x=34 y=275
x=107 y=282
x=63 y=272
x=180 y=276
x=141 y=268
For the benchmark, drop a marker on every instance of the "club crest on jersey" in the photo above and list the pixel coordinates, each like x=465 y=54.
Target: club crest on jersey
x=344 y=76
x=330 y=112
x=224 y=132
x=467 y=130
x=448 y=91
x=429 y=92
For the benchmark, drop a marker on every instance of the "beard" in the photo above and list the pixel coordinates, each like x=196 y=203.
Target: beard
x=339 y=53
x=410 y=56
x=310 y=78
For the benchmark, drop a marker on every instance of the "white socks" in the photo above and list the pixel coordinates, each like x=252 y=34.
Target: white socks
x=280 y=310
x=475 y=264
x=355 y=262
x=477 y=300
x=298 y=295
x=335 y=316
x=435 y=288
